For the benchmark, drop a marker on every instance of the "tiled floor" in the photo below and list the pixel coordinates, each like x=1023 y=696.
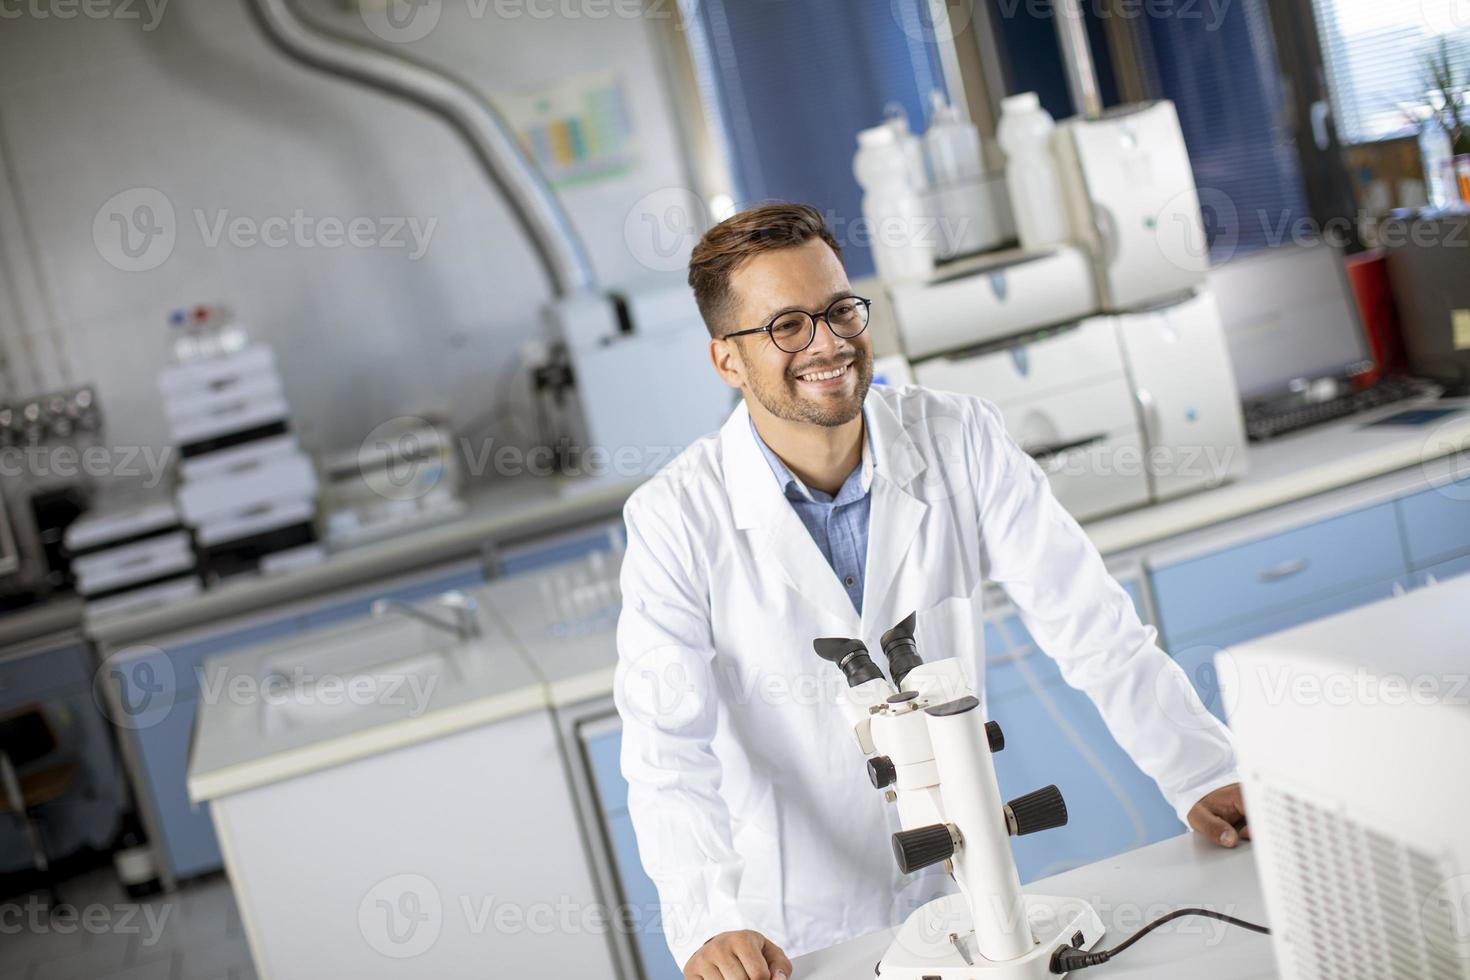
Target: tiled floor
x=193 y=934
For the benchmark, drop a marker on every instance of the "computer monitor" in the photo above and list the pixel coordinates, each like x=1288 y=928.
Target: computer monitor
x=1289 y=313
x=1353 y=736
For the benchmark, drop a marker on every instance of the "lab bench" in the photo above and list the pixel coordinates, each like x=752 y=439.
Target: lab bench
x=153 y=686
x=1319 y=525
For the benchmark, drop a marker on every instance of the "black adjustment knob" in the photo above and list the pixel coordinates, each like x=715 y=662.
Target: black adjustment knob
x=851 y=656
x=1040 y=809
x=923 y=846
x=900 y=649
x=882 y=771
x=996 y=737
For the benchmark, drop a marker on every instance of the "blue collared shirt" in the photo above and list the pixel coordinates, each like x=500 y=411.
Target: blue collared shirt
x=838 y=524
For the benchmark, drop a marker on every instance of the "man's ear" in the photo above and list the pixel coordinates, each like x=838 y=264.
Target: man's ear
x=729 y=365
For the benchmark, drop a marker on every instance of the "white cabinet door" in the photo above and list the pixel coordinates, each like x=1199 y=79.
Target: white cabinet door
x=457 y=857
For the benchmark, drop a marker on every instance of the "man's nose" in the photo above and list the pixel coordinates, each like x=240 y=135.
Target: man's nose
x=826 y=343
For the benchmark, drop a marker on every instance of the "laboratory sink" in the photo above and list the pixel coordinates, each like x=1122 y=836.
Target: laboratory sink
x=386 y=668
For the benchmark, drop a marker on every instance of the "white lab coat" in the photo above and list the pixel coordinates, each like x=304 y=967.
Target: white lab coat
x=746 y=788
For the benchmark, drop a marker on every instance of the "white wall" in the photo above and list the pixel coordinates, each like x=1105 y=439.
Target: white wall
x=200 y=108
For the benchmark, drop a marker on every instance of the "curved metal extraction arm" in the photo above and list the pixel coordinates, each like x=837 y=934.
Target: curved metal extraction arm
x=532 y=200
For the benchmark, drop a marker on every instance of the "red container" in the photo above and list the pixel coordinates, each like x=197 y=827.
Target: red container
x=1368 y=273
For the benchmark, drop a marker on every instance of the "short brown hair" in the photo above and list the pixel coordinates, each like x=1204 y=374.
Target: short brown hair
x=740 y=236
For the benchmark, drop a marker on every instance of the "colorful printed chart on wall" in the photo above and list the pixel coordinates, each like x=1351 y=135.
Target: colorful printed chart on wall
x=578 y=129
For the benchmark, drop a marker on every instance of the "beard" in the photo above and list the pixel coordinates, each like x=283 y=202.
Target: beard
x=784 y=398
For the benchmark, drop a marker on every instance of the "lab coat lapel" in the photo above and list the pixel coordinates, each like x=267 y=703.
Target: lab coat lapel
x=780 y=540
x=897 y=513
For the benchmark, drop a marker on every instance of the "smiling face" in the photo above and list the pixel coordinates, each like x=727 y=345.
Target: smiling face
x=822 y=385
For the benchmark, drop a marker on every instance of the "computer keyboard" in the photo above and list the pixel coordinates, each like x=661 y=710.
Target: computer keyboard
x=1266 y=421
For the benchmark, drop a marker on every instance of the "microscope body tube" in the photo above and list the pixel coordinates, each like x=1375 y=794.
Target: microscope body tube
x=983 y=864
x=904 y=738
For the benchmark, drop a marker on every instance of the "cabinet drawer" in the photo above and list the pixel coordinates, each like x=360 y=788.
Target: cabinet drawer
x=1252 y=580
x=1436 y=523
x=1195 y=655
x=38 y=676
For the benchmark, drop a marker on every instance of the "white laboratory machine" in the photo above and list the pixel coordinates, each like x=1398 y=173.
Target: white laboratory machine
x=1129 y=191
x=928 y=749
x=643 y=392
x=246 y=488
x=1351 y=733
x=1119 y=410
x=131 y=552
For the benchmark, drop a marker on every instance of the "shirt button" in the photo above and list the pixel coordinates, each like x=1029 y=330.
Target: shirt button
x=848 y=581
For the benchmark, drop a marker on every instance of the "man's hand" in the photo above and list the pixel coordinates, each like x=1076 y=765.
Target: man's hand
x=1220 y=816
x=738 y=956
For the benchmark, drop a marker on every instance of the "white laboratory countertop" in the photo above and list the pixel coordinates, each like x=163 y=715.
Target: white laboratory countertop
x=1283 y=470
x=564 y=620
x=243 y=740
x=1295 y=466
x=1128 y=891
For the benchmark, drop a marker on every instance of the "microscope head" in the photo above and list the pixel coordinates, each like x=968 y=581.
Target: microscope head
x=851 y=657
x=901 y=650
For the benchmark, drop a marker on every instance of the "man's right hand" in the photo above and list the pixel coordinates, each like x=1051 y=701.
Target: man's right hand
x=745 y=955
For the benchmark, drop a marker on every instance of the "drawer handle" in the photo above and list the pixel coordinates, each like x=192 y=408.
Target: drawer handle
x=1284 y=570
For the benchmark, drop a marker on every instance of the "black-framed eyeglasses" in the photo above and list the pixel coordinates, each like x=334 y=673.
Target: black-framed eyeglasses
x=795 y=330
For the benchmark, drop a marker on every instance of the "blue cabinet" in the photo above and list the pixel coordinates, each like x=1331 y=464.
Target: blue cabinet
x=636 y=891
x=1436 y=523
x=55 y=677
x=188 y=844
x=1443 y=570
x=1054 y=734
x=640 y=896
x=1202 y=596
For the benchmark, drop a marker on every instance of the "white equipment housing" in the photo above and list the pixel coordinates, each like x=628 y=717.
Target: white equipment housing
x=1120 y=410
x=1351 y=733
x=642 y=376
x=1132 y=202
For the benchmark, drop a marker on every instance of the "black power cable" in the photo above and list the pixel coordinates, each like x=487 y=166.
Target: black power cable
x=1069 y=958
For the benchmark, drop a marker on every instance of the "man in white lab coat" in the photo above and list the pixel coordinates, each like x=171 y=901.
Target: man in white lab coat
x=824 y=507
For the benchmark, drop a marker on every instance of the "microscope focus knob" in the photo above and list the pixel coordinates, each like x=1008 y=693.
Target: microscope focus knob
x=996 y=737
x=882 y=771
x=1040 y=809
x=923 y=846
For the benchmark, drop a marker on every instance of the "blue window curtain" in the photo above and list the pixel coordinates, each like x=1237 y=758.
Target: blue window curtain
x=1224 y=78
x=791 y=82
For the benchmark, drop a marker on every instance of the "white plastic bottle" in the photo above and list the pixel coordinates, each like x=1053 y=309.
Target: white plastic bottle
x=1025 y=133
x=952 y=144
x=1439 y=163
x=967 y=203
x=900 y=234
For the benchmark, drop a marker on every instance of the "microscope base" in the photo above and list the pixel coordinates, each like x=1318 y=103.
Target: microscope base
x=923 y=949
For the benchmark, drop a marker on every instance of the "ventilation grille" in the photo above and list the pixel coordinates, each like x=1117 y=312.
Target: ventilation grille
x=1356 y=905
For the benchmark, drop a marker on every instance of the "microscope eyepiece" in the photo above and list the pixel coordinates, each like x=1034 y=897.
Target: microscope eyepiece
x=900 y=649
x=851 y=657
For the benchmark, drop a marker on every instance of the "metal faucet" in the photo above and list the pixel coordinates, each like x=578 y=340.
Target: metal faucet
x=465 y=626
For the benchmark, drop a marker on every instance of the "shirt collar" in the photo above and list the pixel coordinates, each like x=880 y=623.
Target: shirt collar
x=794 y=489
